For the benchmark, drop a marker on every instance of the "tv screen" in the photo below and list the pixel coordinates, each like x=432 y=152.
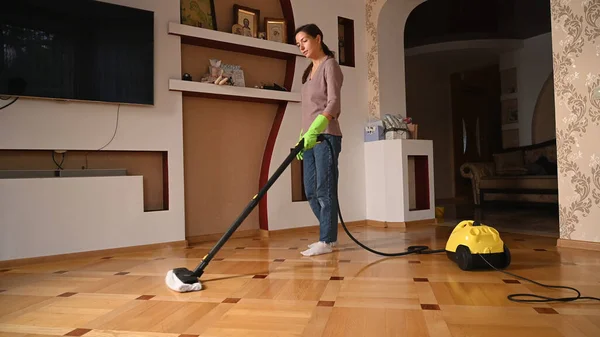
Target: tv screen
x=77 y=50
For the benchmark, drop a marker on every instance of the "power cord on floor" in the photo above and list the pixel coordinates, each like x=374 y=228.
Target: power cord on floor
x=540 y=299
x=426 y=250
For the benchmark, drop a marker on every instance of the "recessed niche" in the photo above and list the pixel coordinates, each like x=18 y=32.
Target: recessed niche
x=418 y=183
x=152 y=165
x=346 y=41
x=298 y=193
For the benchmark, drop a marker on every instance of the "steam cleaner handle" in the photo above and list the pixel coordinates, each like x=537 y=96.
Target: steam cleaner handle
x=300 y=145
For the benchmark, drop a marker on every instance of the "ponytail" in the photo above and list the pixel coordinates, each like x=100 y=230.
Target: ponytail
x=326 y=49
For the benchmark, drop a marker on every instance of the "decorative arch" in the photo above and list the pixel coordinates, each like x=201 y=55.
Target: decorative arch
x=263 y=214
x=372 y=10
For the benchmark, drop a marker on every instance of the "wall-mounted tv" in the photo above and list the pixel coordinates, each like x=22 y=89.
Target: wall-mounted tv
x=80 y=50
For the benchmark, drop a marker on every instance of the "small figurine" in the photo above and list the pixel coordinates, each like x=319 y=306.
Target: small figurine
x=215 y=73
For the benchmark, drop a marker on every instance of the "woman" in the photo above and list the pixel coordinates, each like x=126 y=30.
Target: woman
x=321 y=100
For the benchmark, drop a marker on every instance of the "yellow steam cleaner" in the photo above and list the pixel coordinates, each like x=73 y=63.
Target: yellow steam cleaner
x=472 y=245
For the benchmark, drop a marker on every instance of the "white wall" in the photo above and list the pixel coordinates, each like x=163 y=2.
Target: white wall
x=95 y=217
x=390 y=28
x=283 y=213
x=83 y=214
x=390 y=175
x=534 y=65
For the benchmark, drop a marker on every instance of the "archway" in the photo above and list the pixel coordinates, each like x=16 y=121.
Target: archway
x=401 y=9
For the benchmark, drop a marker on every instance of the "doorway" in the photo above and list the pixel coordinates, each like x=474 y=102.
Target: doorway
x=476 y=120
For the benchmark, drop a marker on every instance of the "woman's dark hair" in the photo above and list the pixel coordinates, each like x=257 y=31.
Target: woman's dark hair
x=312 y=30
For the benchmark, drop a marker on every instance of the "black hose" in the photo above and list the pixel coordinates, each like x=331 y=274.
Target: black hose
x=409 y=250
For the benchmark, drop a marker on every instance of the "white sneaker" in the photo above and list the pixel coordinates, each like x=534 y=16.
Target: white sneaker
x=318 y=248
x=331 y=244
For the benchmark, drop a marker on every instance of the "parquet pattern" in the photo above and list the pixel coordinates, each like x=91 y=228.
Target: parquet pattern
x=265 y=287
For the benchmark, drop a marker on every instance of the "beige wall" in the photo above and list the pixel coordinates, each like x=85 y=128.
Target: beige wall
x=576 y=50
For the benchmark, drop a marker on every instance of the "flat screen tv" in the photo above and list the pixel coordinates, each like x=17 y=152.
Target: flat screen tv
x=81 y=50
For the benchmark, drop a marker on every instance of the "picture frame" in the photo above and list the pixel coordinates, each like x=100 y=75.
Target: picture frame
x=198 y=13
x=276 y=30
x=247 y=17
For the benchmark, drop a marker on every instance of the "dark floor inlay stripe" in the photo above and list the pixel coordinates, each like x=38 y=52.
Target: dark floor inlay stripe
x=546 y=311
x=279 y=260
x=421 y=279
x=336 y=278
x=67 y=294
x=414 y=262
x=430 y=307
x=78 y=332
x=260 y=276
x=344 y=261
x=326 y=303
x=61 y=272
x=121 y=273
x=511 y=281
x=145 y=297
x=231 y=300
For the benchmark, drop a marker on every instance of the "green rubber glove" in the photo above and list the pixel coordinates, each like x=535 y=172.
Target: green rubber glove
x=300 y=155
x=316 y=128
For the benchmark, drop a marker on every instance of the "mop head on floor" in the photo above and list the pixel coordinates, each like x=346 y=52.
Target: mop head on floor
x=176 y=284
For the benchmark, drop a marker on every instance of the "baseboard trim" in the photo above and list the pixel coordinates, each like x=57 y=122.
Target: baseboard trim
x=90 y=254
x=287 y=231
x=576 y=244
x=247 y=233
x=404 y=224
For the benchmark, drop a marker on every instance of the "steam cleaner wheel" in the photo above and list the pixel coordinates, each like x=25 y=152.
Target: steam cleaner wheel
x=468 y=261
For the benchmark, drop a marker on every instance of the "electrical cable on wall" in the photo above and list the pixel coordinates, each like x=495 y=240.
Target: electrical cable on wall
x=9 y=104
x=110 y=141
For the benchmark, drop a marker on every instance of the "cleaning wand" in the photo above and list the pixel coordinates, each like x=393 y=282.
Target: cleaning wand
x=183 y=279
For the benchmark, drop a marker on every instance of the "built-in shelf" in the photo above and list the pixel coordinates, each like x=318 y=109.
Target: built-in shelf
x=232 y=42
x=191 y=88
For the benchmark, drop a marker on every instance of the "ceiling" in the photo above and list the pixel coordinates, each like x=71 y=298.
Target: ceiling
x=437 y=21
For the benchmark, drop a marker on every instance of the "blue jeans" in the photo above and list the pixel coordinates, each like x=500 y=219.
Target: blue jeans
x=320 y=185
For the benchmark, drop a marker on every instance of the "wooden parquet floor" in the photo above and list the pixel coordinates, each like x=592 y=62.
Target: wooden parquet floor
x=264 y=287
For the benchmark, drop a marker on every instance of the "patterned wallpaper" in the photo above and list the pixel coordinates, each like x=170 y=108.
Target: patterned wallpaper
x=576 y=54
x=373 y=8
